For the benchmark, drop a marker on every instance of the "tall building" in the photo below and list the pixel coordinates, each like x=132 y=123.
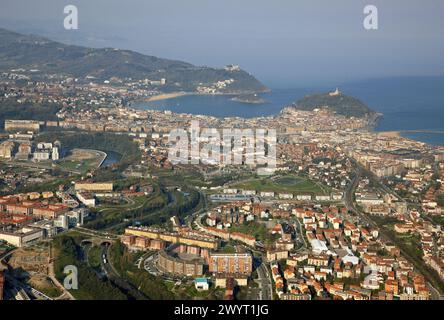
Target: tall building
x=55 y=154
x=41 y=155
x=24 y=150
x=6 y=149
x=231 y=263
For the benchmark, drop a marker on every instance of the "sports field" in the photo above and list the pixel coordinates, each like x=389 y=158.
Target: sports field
x=82 y=160
x=289 y=183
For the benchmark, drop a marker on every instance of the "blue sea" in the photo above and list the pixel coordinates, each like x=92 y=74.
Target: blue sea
x=407 y=103
x=222 y=106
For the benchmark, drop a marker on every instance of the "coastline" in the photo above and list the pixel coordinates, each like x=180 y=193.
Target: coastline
x=423 y=136
x=178 y=94
x=373 y=119
x=389 y=133
x=166 y=96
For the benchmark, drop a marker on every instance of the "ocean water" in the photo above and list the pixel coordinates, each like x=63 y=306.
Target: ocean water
x=407 y=103
x=222 y=106
x=413 y=103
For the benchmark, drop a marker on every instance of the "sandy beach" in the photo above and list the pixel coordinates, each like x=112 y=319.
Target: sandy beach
x=165 y=96
x=390 y=133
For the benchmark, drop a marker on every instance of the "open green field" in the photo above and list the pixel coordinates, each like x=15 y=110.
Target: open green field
x=81 y=160
x=290 y=183
x=78 y=165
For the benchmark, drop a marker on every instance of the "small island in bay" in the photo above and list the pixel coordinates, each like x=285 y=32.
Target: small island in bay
x=249 y=98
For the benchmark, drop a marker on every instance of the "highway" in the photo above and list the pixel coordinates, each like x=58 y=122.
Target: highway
x=350 y=190
x=6 y=254
x=115 y=277
x=299 y=235
x=95 y=233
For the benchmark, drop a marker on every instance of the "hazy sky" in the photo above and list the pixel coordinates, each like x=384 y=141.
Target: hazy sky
x=284 y=43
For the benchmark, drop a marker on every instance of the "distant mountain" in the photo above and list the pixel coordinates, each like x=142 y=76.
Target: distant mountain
x=336 y=101
x=35 y=52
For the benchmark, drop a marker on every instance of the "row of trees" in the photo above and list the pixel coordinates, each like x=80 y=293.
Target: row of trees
x=11 y=109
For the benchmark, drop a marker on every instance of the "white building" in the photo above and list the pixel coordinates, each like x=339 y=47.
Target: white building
x=86 y=198
x=267 y=194
x=323 y=198
x=248 y=192
x=303 y=197
x=55 y=154
x=318 y=246
x=76 y=217
x=41 y=155
x=201 y=284
x=22 y=237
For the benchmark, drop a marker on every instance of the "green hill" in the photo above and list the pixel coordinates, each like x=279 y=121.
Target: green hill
x=35 y=52
x=341 y=104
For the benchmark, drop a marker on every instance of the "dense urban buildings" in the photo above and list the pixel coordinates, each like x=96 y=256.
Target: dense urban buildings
x=90 y=178
x=182 y=260
x=236 y=263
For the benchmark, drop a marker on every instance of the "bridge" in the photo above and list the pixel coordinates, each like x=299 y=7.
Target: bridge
x=96 y=238
x=97 y=241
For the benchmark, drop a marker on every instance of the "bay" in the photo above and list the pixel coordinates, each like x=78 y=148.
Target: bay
x=407 y=103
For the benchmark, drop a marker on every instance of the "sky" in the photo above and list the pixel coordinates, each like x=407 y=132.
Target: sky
x=284 y=43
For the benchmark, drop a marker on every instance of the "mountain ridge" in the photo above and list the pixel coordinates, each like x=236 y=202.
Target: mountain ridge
x=48 y=56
